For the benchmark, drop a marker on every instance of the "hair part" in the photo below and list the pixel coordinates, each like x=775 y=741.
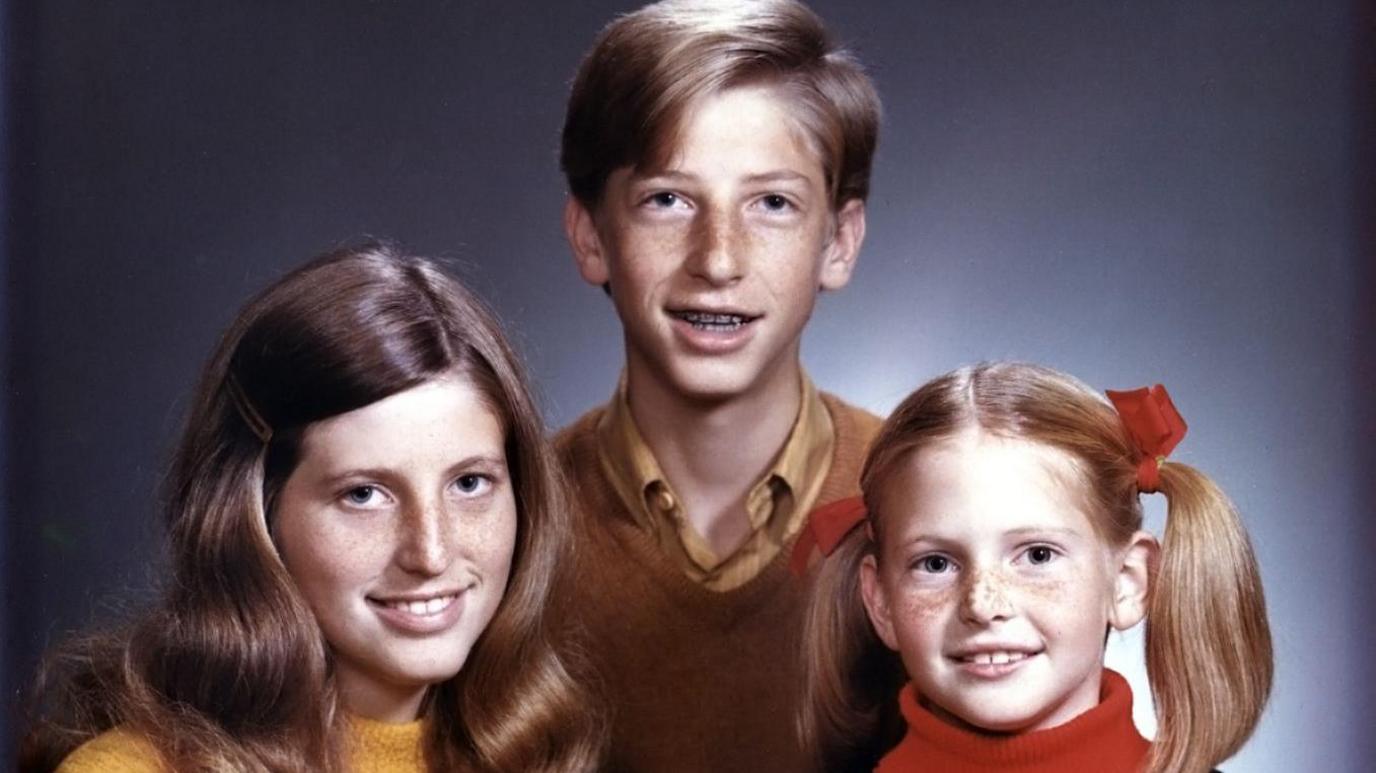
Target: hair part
x=1208 y=642
x=648 y=69
x=231 y=671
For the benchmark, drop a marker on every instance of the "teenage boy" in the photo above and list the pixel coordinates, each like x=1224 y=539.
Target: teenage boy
x=718 y=157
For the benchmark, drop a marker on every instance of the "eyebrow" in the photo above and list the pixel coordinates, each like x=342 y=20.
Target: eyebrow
x=1060 y=531
x=663 y=176
x=483 y=461
x=782 y=175
x=1023 y=532
x=778 y=175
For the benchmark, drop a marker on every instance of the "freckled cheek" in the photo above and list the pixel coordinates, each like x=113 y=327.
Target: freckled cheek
x=492 y=539
x=927 y=604
x=1062 y=606
x=1050 y=591
x=346 y=559
x=645 y=247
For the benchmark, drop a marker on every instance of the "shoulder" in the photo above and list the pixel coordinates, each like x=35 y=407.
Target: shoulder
x=853 y=424
x=579 y=460
x=580 y=435
x=114 y=751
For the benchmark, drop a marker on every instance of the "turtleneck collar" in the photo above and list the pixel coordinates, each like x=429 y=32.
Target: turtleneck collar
x=1102 y=739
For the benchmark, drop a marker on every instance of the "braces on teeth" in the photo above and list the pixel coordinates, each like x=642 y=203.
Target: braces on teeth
x=714 y=322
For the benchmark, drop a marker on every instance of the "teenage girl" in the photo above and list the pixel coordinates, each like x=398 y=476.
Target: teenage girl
x=364 y=530
x=960 y=619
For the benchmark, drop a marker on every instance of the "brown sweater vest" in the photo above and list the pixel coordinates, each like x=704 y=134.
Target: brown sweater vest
x=698 y=680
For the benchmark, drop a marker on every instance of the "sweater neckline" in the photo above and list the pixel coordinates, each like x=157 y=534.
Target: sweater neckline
x=1105 y=732
x=757 y=588
x=375 y=739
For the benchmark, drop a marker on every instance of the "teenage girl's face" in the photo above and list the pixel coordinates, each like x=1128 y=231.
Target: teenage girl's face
x=992 y=585
x=398 y=525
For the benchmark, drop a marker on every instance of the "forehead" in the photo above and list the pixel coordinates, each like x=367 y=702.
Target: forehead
x=976 y=482
x=447 y=414
x=745 y=121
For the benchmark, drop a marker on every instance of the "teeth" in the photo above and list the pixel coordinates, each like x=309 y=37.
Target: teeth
x=717 y=322
x=425 y=607
x=995 y=658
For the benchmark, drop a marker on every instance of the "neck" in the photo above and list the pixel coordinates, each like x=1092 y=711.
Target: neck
x=378 y=700
x=714 y=450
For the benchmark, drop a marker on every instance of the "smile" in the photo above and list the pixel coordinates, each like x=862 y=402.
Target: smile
x=421 y=607
x=995 y=658
x=420 y=615
x=714 y=322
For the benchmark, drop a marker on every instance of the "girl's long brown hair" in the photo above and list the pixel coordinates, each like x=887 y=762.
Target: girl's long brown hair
x=1208 y=644
x=230 y=671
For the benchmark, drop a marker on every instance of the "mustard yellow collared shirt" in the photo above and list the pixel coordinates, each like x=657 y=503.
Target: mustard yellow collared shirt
x=777 y=505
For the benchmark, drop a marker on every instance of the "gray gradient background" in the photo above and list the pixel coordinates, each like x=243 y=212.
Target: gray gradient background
x=1133 y=192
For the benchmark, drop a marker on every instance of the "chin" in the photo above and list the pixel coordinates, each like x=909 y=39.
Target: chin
x=985 y=716
x=1012 y=721
x=426 y=674
x=712 y=381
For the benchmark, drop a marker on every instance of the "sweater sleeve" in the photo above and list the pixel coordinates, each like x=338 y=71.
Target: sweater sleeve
x=115 y=751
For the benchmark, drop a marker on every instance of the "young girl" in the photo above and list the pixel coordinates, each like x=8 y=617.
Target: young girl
x=364 y=529
x=999 y=541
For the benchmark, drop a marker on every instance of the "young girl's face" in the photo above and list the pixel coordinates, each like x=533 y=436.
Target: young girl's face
x=993 y=586
x=398 y=526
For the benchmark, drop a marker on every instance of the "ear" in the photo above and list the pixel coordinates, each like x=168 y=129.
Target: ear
x=840 y=253
x=581 y=230
x=1132 y=584
x=876 y=602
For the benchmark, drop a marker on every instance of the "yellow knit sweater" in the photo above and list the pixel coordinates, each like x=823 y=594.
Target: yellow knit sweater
x=375 y=747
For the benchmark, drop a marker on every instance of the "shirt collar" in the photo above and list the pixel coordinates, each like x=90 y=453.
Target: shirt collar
x=630 y=463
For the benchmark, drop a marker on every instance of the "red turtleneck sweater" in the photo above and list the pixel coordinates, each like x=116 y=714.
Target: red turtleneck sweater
x=1101 y=740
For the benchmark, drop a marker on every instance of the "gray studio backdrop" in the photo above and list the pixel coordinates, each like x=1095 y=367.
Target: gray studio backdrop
x=1133 y=192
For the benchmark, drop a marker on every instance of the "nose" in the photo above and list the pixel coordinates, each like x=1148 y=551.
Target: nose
x=716 y=256
x=986 y=598
x=423 y=542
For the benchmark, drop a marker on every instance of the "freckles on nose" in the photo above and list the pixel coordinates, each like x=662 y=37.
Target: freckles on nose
x=715 y=234
x=987 y=591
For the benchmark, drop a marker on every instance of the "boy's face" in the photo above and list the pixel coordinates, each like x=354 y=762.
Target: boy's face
x=714 y=263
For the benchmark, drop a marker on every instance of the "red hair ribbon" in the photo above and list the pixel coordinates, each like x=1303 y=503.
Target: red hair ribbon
x=826 y=527
x=1156 y=427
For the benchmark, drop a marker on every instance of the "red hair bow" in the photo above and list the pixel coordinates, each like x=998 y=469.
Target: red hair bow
x=826 y=527
x=1156 y=427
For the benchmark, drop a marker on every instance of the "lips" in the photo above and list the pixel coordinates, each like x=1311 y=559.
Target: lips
x=999 y=652
x=420 y=614
x=995 y=658
x=993 y=661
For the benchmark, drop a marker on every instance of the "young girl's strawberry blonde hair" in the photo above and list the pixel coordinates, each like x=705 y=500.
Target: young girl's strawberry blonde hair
x=1208 y=644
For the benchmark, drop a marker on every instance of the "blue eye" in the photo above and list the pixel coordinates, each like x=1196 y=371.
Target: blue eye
x=360 y=495
x=1040 y=554
x=934 y=564
x=473 y=484
x=664 y=199
x=775 y=203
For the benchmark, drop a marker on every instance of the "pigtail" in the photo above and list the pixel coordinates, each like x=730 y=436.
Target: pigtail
x=849 y=716
x=1208 y=643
